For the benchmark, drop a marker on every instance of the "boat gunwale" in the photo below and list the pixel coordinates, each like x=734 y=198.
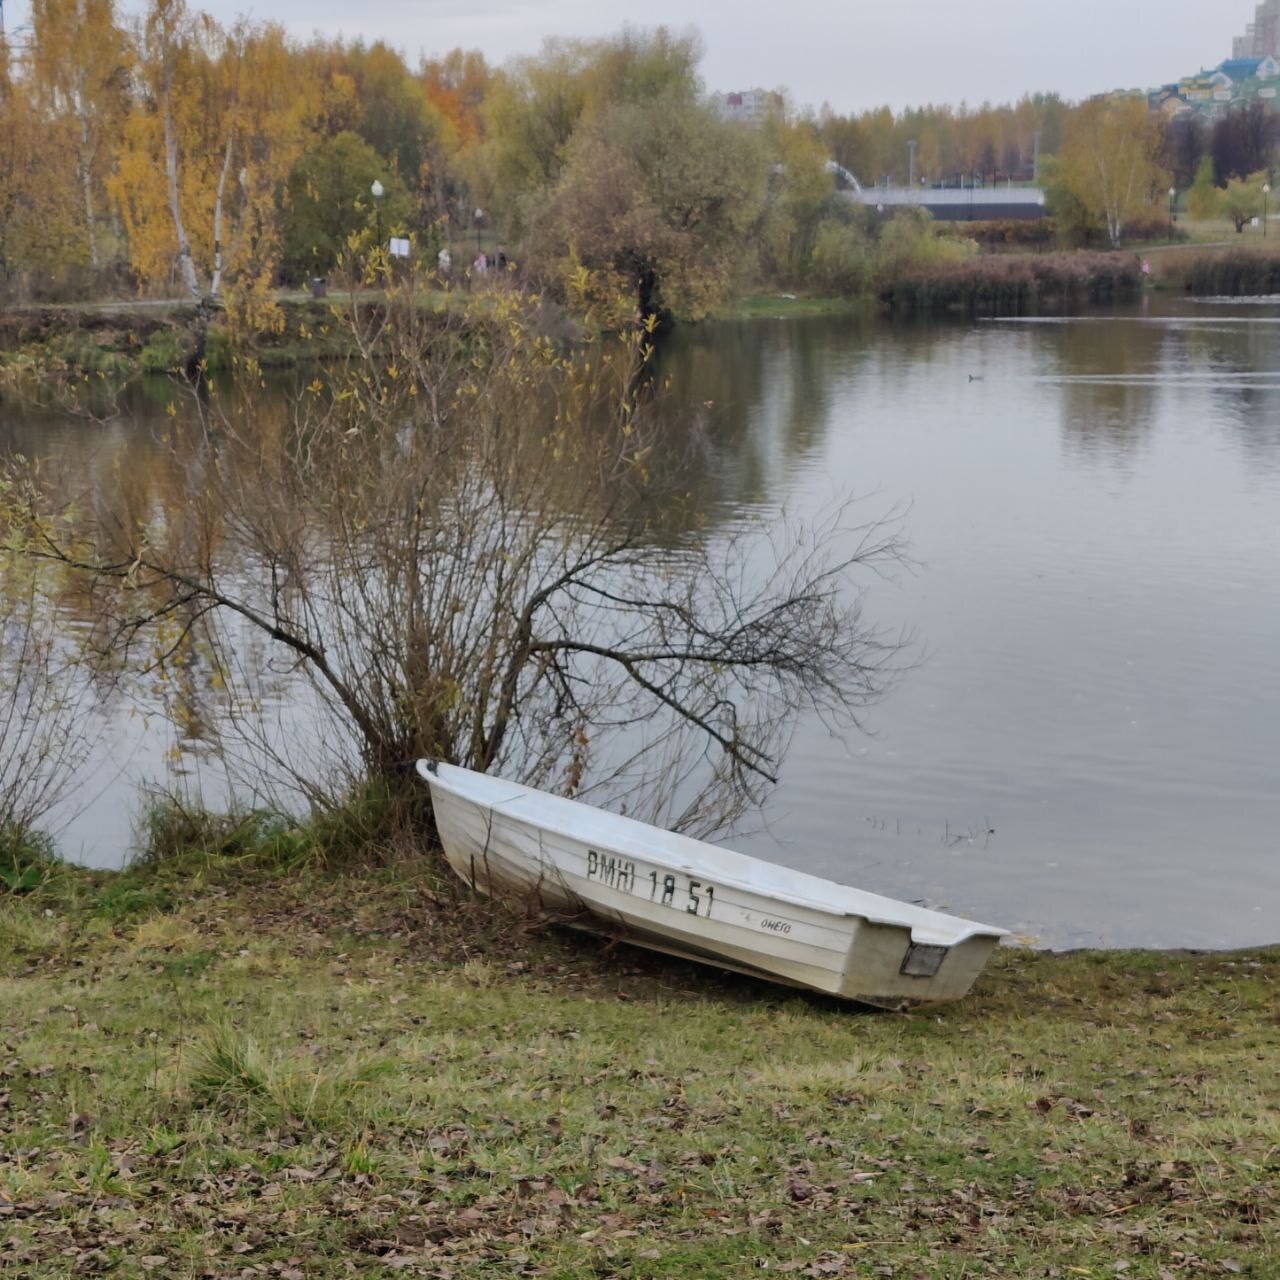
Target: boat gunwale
x=928 y=933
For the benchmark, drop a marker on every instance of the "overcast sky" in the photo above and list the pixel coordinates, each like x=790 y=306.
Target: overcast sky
x=850 y=53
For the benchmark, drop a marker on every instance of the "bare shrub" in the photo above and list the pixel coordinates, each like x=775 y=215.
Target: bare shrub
x=45 y=712
x=481 y=548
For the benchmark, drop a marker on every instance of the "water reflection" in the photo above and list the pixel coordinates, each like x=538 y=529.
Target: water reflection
x=1110 y=384
x=1097 y=546
x=1093 y=512
x=761 y=400
x=1117 y=376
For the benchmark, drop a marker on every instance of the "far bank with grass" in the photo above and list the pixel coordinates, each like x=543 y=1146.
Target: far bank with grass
x=212 y=1068
x=117 y=341
x=791 y=306
x=120 y=340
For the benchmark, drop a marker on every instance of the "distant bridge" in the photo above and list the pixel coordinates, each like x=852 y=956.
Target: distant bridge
x=956 y=204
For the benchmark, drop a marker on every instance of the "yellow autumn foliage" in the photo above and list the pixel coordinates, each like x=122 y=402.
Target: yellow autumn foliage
x=37 y=192
x=204 y=152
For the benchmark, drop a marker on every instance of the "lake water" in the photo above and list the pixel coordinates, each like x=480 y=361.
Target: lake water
x=1088 y=749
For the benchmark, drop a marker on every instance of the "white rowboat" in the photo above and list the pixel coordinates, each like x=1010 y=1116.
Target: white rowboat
x=670 y=893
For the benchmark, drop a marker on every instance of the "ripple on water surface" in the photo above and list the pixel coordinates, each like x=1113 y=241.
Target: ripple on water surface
x=1086 y=749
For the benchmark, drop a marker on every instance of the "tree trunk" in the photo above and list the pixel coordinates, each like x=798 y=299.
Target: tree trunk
x=646 y=293
x=185 y=261
x=216 y=284
x=86 y=181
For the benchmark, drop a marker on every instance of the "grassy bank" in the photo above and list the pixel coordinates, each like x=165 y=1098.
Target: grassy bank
x=120 y=341
x=789 y=306
x=227 y=1074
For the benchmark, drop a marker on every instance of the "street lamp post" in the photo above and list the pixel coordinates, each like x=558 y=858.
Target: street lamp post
x=479 y=229
x=1266 y=199
x=377 y=191
x=1173 y=204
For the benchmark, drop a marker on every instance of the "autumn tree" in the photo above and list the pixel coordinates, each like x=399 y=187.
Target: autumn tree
x=952 y=143
x=479 y=549
x=1204 y=202
x=1075 y=223
x=80 y=64
x=1110 y=162
x=881 y=144
x=329 y=200
x=801 y=191
x=1242 y=201
x=658 y=200
x=1244 y=142
x=842 y=260
x=843 y=139
x=457 y=85
x=222 y=118
x=38 y=197
x=529 y=121
x=15 y=155
x=1184 y=147
x=533 y=112
x=368 y=90
x=395 y=116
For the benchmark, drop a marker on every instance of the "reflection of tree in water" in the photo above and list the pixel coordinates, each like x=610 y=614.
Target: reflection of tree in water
x=747 y=405
x=124 y=464
x=1257 y=427
x=1117 y=375
x=1240 y=360
x=511 y=571
x=1109 y=390
x=761 y=396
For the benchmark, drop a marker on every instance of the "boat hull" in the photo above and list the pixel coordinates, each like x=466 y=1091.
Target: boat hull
x=698 y=901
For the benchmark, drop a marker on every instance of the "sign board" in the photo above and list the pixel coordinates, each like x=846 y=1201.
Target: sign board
x=399 y=248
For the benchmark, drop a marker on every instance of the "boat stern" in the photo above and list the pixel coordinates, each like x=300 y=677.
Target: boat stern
x=892 y=967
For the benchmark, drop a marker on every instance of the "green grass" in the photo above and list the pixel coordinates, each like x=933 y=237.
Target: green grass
x=239 y=1073
x=27 y=859
x=1222 y=231
x=165 y=351
x=784 y=306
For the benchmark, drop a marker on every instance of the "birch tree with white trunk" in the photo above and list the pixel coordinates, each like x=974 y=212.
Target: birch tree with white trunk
x=79 y=73
x=222 y=117
x=1110 y=162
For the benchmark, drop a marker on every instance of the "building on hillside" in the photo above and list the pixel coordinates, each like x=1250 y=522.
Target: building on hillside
x=752 y=107
x=1170 y=99
x=1212 y=94
x=1261 y=37
x=1198 y=88
x=1238 y=70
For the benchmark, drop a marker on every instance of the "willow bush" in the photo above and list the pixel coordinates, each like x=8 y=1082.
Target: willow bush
x=479 y=546
x=47 y=728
